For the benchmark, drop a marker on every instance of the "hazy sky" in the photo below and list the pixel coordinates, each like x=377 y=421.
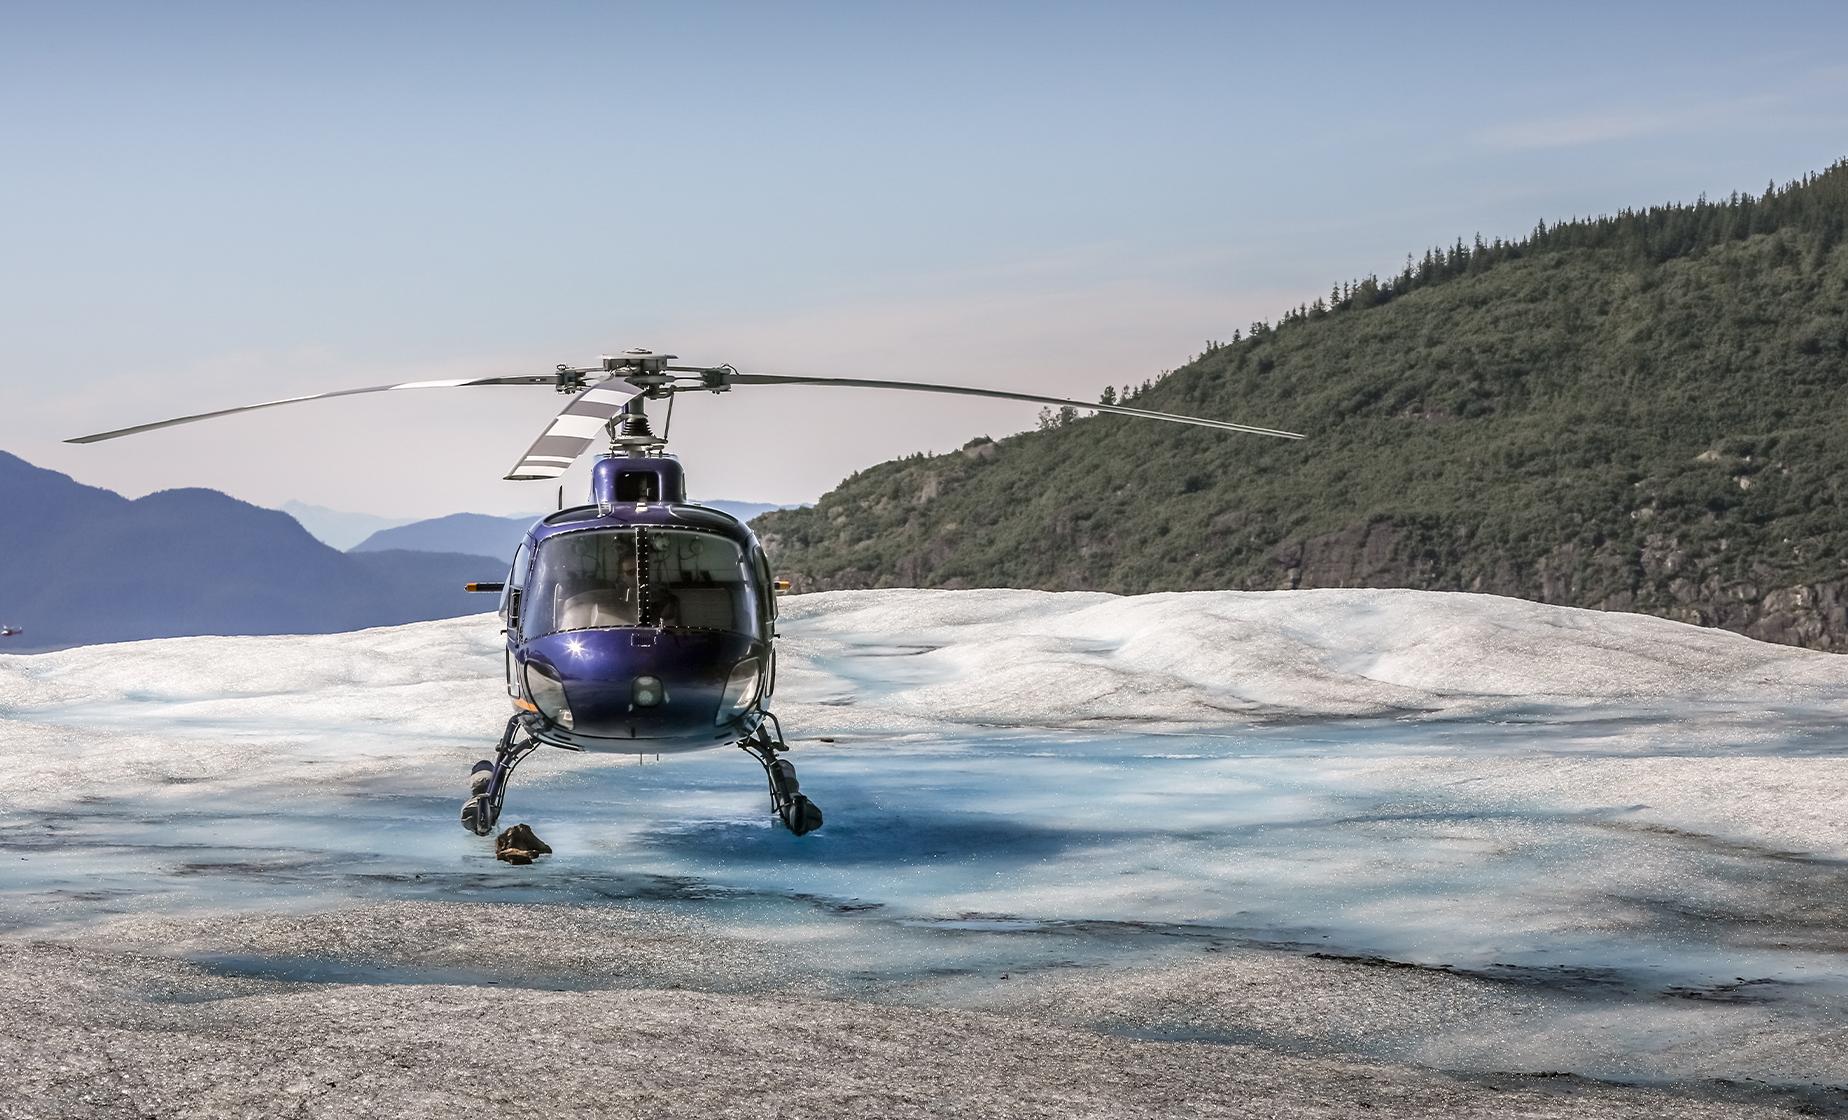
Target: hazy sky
x=203 y=205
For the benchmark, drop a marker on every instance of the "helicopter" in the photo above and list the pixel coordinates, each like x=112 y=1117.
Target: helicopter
x=641 y=622
x=10 y=631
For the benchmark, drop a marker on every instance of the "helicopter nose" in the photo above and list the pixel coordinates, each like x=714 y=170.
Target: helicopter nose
x=667 y=685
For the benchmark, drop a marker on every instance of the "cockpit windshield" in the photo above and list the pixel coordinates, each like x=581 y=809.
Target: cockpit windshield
x=582 y=581
x=670 y=578
x=696 y=581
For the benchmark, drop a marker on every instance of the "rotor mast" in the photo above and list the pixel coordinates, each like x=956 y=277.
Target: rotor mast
x=630 y=432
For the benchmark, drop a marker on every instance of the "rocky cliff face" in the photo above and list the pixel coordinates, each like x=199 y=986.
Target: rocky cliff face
x=1660 y=578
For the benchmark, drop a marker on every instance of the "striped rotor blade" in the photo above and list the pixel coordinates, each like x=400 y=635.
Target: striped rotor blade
x=963 y=390
x=572 y=432
x=457 y=383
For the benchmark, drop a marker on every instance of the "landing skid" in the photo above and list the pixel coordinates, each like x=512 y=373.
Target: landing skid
x=490 y=778
x=800 y=815
x=488 y=781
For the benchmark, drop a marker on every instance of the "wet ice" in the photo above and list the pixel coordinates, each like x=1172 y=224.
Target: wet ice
x=1623 y=833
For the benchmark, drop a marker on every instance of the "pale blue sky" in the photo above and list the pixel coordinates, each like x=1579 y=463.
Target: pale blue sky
x=206 y=204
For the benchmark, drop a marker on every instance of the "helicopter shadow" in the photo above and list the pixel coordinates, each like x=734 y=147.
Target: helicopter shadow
x=869 y=836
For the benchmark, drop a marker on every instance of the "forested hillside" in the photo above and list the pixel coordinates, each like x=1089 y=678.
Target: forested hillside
x=1646 y=411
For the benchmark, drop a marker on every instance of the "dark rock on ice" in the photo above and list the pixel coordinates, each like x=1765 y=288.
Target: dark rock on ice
x=520 y=844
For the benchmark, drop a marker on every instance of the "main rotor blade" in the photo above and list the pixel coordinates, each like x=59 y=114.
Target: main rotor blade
x=455 y=384
x=572 y=431
x=926 y=387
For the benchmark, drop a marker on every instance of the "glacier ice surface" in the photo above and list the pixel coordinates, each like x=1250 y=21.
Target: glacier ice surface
x=1461 y=830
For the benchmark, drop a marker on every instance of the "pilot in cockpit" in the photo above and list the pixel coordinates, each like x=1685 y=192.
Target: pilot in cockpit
x=598 y=597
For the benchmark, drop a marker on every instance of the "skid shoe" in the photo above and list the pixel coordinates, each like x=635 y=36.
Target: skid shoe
x=489 y=779
x=797 y=812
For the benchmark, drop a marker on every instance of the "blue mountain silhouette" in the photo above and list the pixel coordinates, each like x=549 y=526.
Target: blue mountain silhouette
x=80 y=565
x=478 y=534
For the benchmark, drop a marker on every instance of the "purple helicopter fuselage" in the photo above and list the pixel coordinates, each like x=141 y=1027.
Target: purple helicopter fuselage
x=668 y=679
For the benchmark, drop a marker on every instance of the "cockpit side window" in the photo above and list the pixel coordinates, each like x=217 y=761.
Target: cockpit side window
x=516 y=578
x=767 y=586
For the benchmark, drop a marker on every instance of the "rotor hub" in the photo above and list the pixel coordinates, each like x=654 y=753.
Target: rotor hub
x=636 y=361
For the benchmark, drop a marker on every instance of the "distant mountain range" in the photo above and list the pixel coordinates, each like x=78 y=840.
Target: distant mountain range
x=80 y=565
x=337 y=527
x=474 y=533
x=479 y=534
